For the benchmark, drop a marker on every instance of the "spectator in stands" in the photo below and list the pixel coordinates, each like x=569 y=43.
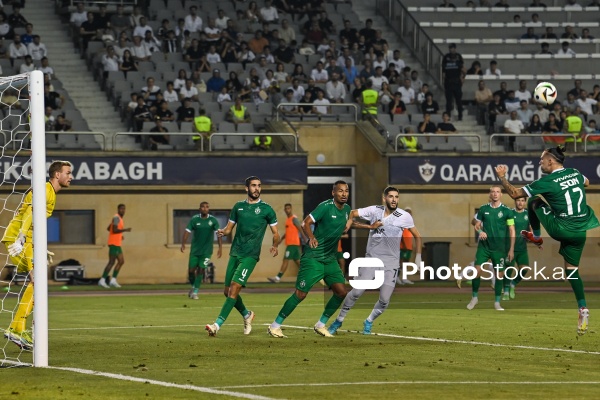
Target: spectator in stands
x=591 y=127
x=102 y=18
x=475 y=69
x=78 y=16
x=215 y=83
x=298 y=91
x=27 y=37
x=385 y=94
x=552 y=125
x=596 y=93
x=576 y=91
x=557 y=109
x=522 y=93
x=289 y=110
x=391 y=73
x=170 y=44
x=585 y=33
x=446 y=4
x=445 y=126
x=453 y=72
x=268 y=13
x=299 y=74
x=586 y=104
x=426 y=126
x=141 y=114
x=367 y=72
x=571 y=104
x=49 y=119
x=407 y=92
x=119 y=21
x=530 y=34
x=483 y=97
x=27 y=66
x=549 y=34
x=318 y=74
x=151 y=42
x=238 y=113
x=369 y=99
x=6 y=31
x=284 y=54
x=135 y=17
x=193 y=23
x=233 y=84
x=515 y=126
x=110 y=61
x=535 y=21
x=503 y=91
x=164 y=113
x=286 y=32
x=315 y=35
x=149 y=93
x=262 y=143
x=415 y=82
x=541 y=112
x=127 y=63
x=306 y=49
x=512 y=103
x=193 y=54
x=17 y=51
x=569 y=33
x=397 y=106
x=409 y=143
x=502 y=3
x=524 y=113
x=189 y=91
x=213 y=34
x=252 y=13
x=36 y=49
x=495 y=108
x=349 y=72
x=123 y=45
x=155 y=140
x=306 y=103
x=493 y=70
x=268 y=81
x=349 y=32
x=378 y=79
x=62 y=124
x=325 y=24
x=535 y=125
x=537 y=3
x=88 y=31
x=430 y=106
x=139 y=51
x=368 y=32
x=321 y=105
x=185 y=113
x=221 y=20
x=141 y=29
x=565 y=50
x=336 y=90
x=545 y=48
x=422 y=94
x=170 y=95
x=204 y=127
x=46 y=68
x=212 y=57
x=258 y=42
x=572 y=5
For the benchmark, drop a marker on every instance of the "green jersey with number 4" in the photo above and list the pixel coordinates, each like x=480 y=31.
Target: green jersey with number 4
x=203 y=238
x=495 y=225
x=521 y=224
x=564 y=192
x=330 y=223
x=252 y=220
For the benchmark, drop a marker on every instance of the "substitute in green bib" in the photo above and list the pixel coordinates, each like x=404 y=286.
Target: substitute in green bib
x=251 y=216
x=558 y=202
x=202 y=227
x=494 y=222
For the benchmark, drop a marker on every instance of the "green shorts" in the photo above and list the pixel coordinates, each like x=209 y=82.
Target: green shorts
x=484 y=255
x=114 y=251
x=405 y=255
x=201 y=261
x=339 y=255
x=292 y=252
x=239 y=270
x=571 y=243
x=312 y=271
x=521 y=259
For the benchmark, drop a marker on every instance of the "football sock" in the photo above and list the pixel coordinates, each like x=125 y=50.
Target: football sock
x=279 y=275
x=227 y=307
x=105 y=274
x=192 y=276
x=239 y=305
x=507 y=283
x=522 y=273
x=498 y=288
x=577 y=286
x=288 y=307
x=198 y=280
x=534 y=221
x=385 y=293
x=23 y=310
x=349 y=302
x=475 y=288
x=115 y=273
x=330 y=308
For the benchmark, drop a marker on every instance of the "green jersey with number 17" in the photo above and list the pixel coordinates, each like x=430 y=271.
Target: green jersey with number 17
x=564 y=192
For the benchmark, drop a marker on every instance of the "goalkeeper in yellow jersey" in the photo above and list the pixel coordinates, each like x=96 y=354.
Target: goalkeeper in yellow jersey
x=18 y=239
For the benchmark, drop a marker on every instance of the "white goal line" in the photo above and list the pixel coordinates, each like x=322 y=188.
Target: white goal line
x=410 y=383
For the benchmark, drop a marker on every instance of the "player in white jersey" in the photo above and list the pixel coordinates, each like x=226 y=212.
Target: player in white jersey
x=386 y=226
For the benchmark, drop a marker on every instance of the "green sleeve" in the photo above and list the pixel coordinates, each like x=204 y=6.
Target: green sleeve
x=479 y=215
x=318 y=212
x=215 y=224
x=191 y=225
x=535 y=188
x=233 y=213
x=271 y=217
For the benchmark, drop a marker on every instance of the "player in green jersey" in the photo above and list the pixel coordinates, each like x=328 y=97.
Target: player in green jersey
x=318 y=259
x=563 y=212
x=203 y=226
x=251 y=217
x=521 y=259
x=492 y=222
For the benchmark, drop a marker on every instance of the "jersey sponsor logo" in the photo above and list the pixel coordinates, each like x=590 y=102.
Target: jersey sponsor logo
x=257 y=211
x=333 y=216
x=240 y=209
x=427 y=171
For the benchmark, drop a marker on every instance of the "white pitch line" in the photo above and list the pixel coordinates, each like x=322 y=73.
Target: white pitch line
x=409 y=383
x=427 y=339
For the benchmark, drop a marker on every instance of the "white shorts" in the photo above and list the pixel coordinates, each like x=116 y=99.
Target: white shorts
x=368 y=274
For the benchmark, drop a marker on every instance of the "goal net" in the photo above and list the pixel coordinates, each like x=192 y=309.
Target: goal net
x=23 y=170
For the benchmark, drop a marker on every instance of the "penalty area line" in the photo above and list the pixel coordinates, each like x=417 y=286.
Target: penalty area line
x=427 y=339
x=409 y=383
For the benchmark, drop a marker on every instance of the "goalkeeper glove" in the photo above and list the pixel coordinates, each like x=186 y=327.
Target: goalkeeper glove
x=49 y=256
x=17 y=247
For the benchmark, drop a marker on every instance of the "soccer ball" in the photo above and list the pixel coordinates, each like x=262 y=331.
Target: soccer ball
x=545 y=93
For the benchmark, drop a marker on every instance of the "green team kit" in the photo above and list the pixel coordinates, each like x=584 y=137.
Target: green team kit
x=321 y=262
x=521 y=224
x=495 y=222
x=568 y=216
x=202 y=240
x=252 y=220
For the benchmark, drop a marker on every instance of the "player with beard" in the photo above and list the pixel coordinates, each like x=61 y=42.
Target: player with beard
x=387 y=223
x=318 y=259
x=252 y=217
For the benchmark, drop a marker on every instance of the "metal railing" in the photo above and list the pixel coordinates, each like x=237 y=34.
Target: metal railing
x=587 y=138
x=407 y=27
x=439 y=135
x=295 y=136
x=117 y=134
x=17 y=136
x=281 y=112
x=526 y=135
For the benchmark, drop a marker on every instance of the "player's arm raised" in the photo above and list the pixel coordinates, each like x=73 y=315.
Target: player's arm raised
x=512 y=191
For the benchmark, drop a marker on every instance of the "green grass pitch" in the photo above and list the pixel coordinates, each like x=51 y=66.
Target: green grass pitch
x=431 y=347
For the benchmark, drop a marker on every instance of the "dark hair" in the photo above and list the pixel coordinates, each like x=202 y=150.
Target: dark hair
x=287 y=204
x=57 y=166
x=340 y=182
x=120 y=205
x=389 y=189
x=204 y=202
x=557 y=152
x=250 y=179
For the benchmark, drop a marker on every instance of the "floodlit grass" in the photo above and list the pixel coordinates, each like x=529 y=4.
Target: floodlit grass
x=162 y=338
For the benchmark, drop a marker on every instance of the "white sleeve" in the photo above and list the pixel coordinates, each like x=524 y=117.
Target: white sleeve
x=368 y=213
x=407 y=221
